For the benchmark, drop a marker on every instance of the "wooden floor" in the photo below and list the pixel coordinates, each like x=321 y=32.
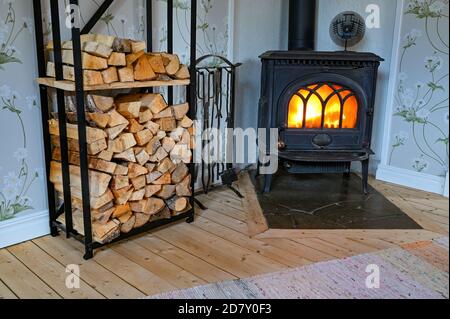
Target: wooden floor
x=215 y=248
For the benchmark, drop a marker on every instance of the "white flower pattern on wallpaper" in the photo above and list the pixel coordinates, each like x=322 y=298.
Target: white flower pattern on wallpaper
x=421 y=104
x=14 y=186
x=10 y=30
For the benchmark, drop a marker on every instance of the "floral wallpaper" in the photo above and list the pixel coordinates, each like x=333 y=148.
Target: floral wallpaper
x=421 y=117
x=22 y=173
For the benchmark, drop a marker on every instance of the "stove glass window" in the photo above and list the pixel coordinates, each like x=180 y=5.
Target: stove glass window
x=323 y=106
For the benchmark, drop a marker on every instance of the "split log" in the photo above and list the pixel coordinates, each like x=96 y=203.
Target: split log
x=127 y=156
x=137 y=195
x=156 y=103
x=135 y=127
x=110 y=75
x=115 y=131
x=150 y=167
x=102 y=217
x=129 y=110
x=124 y=218
x=98 y=182
x=165 y=179
x=177 y=134
x=106 y=233
x=129 y=225
x=151 y=190
x=153 y=127
x=121 y=210
x=101 y=103
x=132 y=58
x=168 y=144
x=180 y=173
x=166 y=166
x=89 y=61
x=121 y=170
x=186 y=122
x=145 y=116
x=156 y=62
x=172 y=63
x=135 y=170
x=143 y=70
x=106 y=155
x=123 y=143
x=181 y=154
x=126 y=74
x=122 y=45
x=122 y=196
x=99 y=119
x=120 y=182
x=93 y=134
x=166 y=192
x=178 y=204
x=153 y=176
x=94 y=163
x=138 y=182
x=116 y=119
x=142 y=157
x=183 y=73
x=117 y=59
x=167 y=124
x=159 y=155
x=149 y=207
x=153 y=146
x=141 y=220
x=154 y=206
x=97 y=49
x=164 y=214
x=143 y=137
x=138 y=46
x=164 y=114
x=184 y=189
x=180 y=111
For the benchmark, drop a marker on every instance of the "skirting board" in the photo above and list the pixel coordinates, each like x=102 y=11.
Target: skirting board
x=399 y=176
x=23 y=228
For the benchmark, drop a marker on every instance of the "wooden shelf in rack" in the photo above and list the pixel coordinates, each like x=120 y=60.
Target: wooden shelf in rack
x=70 y=86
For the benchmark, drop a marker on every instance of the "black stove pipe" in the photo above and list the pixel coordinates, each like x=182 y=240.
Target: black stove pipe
x=302 y=24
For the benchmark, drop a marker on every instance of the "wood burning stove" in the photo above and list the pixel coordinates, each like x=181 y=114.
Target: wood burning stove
x=323 y=105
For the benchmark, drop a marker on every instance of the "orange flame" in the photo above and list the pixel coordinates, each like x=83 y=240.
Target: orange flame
x=314 y=109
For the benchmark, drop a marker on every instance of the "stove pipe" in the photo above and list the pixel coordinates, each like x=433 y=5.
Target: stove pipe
x=302 y=24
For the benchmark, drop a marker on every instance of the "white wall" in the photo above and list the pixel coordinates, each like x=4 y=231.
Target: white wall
x=259 y=26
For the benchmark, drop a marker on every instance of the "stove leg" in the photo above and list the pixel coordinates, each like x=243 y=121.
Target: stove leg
x=267 y=183
x=365 y=176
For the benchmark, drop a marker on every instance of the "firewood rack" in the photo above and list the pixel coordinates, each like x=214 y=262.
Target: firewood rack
x=66 y=208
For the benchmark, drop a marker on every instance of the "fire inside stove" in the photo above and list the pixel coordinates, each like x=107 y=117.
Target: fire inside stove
x=323 y=106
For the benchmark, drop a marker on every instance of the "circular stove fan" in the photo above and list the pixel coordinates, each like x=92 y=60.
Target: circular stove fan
x=347 y=29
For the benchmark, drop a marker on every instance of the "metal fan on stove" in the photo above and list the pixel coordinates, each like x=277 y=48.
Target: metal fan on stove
x=347 y=29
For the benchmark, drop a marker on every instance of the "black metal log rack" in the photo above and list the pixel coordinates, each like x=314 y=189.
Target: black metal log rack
x=66 y=208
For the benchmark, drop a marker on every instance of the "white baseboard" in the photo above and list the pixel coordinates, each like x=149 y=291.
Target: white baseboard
x=404 y=177
x=23 y=228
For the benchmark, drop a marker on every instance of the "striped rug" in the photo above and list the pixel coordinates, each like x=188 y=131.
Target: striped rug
x=415 y=271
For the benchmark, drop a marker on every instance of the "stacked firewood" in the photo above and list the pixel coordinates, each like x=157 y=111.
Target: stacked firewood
x=107 y=59
x=139 y=150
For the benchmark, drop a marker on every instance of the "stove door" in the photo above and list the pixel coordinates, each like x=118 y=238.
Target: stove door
x=325 y=111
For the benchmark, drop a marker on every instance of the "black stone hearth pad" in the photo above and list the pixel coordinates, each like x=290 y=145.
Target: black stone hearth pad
x=327 y=201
